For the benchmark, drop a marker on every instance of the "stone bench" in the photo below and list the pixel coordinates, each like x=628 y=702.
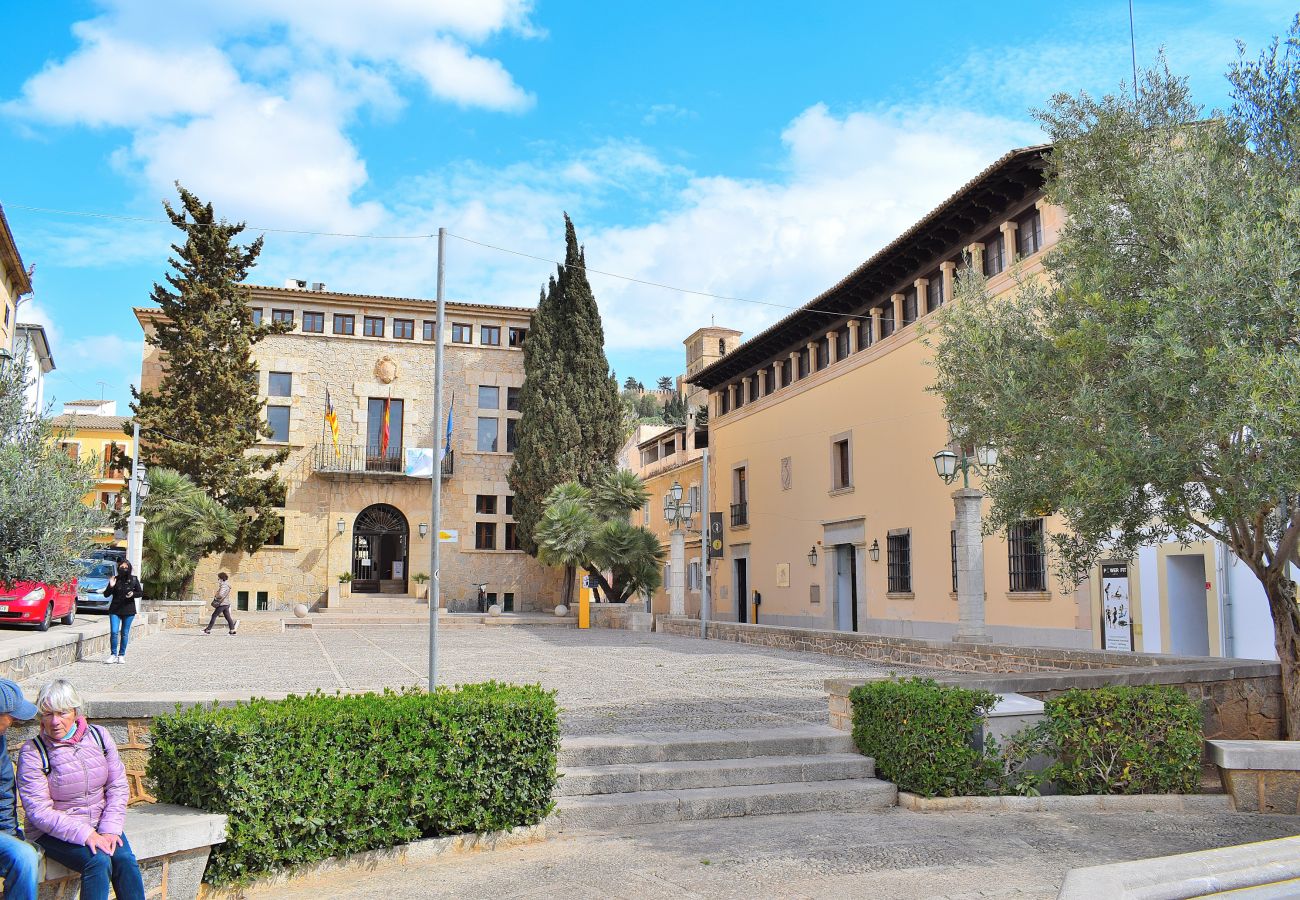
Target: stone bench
x=172 y=844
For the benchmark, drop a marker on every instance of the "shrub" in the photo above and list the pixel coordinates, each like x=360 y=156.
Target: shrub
x=921 y=735
x=307 y=778
x=1125 y=740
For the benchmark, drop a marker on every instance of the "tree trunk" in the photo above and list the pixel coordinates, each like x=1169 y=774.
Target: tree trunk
x=570 y=572
x=1286 y=638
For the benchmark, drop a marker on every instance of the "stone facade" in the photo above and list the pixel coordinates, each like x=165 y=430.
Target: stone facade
x=326 y=488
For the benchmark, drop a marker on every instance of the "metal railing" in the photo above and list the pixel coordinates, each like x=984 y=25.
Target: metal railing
x=739 y=514
x=360 y=459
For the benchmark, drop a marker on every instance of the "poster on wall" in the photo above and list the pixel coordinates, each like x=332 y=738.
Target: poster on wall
x=1116 y=616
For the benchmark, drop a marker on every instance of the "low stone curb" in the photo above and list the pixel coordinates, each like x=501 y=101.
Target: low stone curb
x=375 y=860
x=1061 y=803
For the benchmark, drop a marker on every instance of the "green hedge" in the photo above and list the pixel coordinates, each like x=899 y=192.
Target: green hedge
x=920 y=735
x=307 y=778
x=1125 y=740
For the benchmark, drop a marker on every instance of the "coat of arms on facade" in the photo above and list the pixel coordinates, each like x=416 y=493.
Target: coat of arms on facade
x=386 y=370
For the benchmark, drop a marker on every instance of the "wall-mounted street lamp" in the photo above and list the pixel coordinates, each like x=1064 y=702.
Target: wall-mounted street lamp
x=342 y=526
x=874 y=550
x=970 y=538
x=424 y=529
x=812 y=556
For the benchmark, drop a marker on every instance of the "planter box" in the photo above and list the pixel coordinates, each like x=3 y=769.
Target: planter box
x=1261 y=776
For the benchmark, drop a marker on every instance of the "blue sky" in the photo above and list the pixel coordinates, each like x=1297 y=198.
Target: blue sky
x=744 y=149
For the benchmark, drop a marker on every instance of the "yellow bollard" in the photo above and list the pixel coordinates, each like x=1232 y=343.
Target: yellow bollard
x=584 y=606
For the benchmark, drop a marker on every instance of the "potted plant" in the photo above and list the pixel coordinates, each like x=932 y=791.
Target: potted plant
x=421 y=579
x=345 y=584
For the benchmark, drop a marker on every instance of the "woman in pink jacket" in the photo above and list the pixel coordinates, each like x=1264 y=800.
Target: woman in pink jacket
x=74 y=792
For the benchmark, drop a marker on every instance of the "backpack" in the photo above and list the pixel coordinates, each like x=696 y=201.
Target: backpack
x=45 y=751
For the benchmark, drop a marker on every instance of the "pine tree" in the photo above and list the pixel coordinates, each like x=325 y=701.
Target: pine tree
x=205 y=416
x=664 y=384
x=571 y=423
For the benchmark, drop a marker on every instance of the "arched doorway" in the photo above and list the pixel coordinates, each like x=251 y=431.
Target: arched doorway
x=380 y=536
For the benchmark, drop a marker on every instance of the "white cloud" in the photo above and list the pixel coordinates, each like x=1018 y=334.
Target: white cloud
x=450 y=71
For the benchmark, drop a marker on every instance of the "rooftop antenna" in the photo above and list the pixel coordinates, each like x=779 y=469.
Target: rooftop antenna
x=102 y=385
x=1132 y=43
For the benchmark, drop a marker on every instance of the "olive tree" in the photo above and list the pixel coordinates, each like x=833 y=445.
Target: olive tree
x=1146 y=387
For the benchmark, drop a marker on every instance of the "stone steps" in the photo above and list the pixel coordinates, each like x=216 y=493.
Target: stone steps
x=609 y=781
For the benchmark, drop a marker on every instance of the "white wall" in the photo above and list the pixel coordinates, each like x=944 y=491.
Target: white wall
x=1149 y=586
x=1250 y=619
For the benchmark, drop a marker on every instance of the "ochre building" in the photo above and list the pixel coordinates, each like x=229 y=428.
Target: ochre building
x=364 y=507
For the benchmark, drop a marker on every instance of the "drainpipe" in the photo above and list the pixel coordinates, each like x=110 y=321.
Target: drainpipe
x=1223 y=574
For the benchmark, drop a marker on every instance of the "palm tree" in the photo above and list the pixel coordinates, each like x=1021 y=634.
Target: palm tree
x=565 y=531
x=181 y=521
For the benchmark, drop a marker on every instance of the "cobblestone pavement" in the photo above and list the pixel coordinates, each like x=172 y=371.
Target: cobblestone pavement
x=607 y=680
x=896 y=855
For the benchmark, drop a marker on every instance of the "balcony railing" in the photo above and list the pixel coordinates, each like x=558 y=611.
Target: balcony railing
x=360 y=459
x=739 y=514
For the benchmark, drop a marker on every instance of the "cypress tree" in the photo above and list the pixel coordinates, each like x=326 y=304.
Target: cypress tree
x=571 y=423
x=205 y=416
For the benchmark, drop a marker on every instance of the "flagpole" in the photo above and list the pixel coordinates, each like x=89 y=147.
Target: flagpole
x=435 y=585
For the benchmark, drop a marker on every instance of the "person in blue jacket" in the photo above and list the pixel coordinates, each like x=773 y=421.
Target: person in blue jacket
x=19 y=860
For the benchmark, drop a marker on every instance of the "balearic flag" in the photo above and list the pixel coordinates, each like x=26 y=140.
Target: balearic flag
x=383 y=435
x=332 y=419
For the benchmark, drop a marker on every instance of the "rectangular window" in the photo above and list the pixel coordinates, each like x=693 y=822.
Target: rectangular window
x=72 y=450
x=510 y=504
x=241 y=601
x=1027 y=556
x=512 y=440
x=278 y=418
x=739 y=497
x=110 y=500
x=508 y=598
x=428 y=330
x=111 y=469
x=803 y=363
x=645 y=513
x=485 y=504
x=485 y=535
x=373 y=326
x=489 y=397
x=900 y=562
x=404 y=329
x=282 y=315
x=1029 y=234
x=724 y=402
x=277 y=537
x=994 y=255
x=313 y=322
x=512 y=538
x=461 y=333
x=279 y=384
x=512 y=399
x=842 y=343
x=843 y=474
x=864 y=332
x=518 y=336
x=384 y=456
x=934 y=292
x=263 y=601
x=785 y=372
x=823 y=352
x=257 y=315
x=487 y=435
x=344 y=324
x=909 y=306
x=887 y=320
x=952 y=536
x=489 y=335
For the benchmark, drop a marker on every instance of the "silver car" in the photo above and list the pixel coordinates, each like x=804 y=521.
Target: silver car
x=91 y=584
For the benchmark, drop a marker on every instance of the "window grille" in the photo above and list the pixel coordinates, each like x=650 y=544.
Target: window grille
x=900 y=563
x=1027 y=556
x=953 y=536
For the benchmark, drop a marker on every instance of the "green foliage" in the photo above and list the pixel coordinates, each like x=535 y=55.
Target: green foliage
x=1145 y=389
x=204 y=415
x=570 y=426
x=921 y=736
x=44 y=523
x=675 y=410
x=307 y=778
x=1125 y=740
x=181 y=522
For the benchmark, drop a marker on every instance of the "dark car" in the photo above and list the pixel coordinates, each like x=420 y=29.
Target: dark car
x=113 y=554
x=91 y=584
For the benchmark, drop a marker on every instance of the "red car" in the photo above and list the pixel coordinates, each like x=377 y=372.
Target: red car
x=34 y=603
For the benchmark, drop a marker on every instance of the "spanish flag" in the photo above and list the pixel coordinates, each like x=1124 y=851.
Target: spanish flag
x=332 y=419
x=383 y=437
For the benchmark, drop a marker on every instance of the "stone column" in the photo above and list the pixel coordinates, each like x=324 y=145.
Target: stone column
x=834 y=354
x=812 y=357
x=948 y=272
x=794 y=368
x=135 y=542
x=898 y=312
x=976 y=251
x=677 y=573
x=875 y=324
x=922 y=286
x=731 y=396
x=855 y=335
x=1008 y=230
x=970 y=567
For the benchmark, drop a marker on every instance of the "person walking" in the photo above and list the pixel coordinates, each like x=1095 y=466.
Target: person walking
x=74 y=791
x=125 y=589
x=19 y=861
x=221 y=605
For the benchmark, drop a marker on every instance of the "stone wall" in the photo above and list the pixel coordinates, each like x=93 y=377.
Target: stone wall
x=623 y=616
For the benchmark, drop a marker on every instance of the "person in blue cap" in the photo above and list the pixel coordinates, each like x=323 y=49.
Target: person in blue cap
x=19 y=860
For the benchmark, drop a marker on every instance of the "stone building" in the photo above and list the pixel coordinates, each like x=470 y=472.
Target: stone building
x=92 y=431
x=363 y=507
x=15 y=283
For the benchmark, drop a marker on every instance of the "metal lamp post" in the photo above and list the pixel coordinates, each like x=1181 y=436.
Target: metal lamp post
x=970 y=538
x=678 y=516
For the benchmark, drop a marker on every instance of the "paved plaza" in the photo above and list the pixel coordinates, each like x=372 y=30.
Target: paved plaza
x=607 y=681
x=896 y=855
